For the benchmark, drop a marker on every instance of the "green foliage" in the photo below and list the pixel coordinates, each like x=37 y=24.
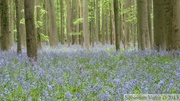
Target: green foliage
x=22 y=21
x=39 y=24
x=44 y=37
x=131 y=14
x=78 y=21
x=76 y=33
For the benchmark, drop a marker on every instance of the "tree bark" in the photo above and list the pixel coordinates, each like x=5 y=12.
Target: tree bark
x=62 y=20
x=176 y=25
x=143 y=24
x=97 y=21
x=116 y=18
x=85 y=24
x=38 y=29
x=30 y=29
x=4 y=25
x=19 y=48
x=53 y=27
x=68 y=21
x=11 y=25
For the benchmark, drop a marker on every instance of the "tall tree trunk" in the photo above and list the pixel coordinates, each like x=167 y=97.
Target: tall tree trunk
x=22 y=25
x=85 y=24
x=176 y=24
x=150 y=2
x=4 y=25
x=38 y=29
x=127 y=6
x=107 y=26
x=97 y=21
x=159 y=22
x=80 y=25
x=143 y=24
x=74 y=18
x=68 y=21
x=11 y=24
x=19 y=49
x=62 y=20
x=116 y=16
x=46 y=31
x=0 y=23
x=112 y=24
x=30 y=29
x=103 y=25
x=92 y=23
x=53 y=27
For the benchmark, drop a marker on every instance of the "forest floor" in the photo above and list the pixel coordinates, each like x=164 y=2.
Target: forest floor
x=73 y=74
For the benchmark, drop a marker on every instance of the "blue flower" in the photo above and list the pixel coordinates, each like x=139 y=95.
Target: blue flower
x=117 y=81
x=68 y=95
x=161 y=83
x=78 y=95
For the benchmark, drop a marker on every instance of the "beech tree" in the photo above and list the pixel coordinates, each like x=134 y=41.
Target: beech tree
x=116 y=18
x=4 y=25
x=19 y=49
x=143 y=28
x=53 y=27
x=30 y=29
x=85 y=24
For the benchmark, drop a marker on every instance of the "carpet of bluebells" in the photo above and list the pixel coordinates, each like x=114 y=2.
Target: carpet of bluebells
x=74 y=74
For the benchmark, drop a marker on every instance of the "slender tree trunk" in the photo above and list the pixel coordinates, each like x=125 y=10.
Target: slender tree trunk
x=11 y=24
x=0 y=22
x=74 y=17
x=92 y=23
x=116 y=16
x=97 y=21
x=103 y=26
x=19 y=49
x=78 y=25
x=85 y=24
x=38 y=29
x=126 y=23
x=107 y=26
x=46 y=20
x=150 y=22
x=30 y=29
x=53 y=27
x=62 y=20
x=68 y=21
x=22 y=25
x=112 y=24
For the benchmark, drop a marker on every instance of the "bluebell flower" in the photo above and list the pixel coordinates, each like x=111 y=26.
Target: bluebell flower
x=68 y=95
x=107 y=96
x=161 y=83
x=178 y=75
x=117 y=81
x=46 y=94
x=50 y=87
x=78 y=95
x=29 y=99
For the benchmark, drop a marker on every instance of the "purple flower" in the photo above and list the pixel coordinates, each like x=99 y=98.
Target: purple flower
x=117 y=81
x=68 y=95
x=161 y=83
x=78 y=95
x=178 y=74
x=50 y=87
